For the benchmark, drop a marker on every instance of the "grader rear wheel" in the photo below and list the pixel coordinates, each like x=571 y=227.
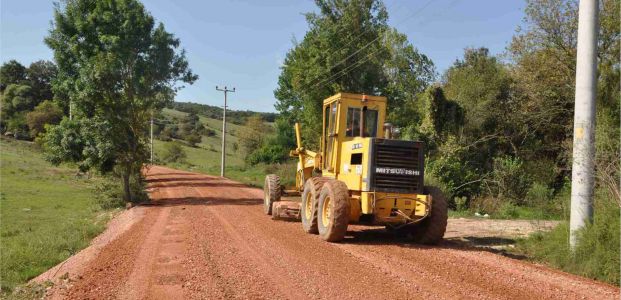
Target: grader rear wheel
x=310 y=196
x=271 y=192
x=431 y=230
x=334 y=209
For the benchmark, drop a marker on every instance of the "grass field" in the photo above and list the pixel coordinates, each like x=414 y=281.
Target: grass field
x=47 y=214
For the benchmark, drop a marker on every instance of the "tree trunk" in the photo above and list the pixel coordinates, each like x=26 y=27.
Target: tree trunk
x=127 y=194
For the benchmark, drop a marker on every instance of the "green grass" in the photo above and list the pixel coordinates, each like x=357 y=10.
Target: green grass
x=597 y=254
x=46 y=213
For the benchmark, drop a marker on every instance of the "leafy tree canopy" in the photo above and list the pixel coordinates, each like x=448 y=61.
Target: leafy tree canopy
x=116 y=65
x=12 y=72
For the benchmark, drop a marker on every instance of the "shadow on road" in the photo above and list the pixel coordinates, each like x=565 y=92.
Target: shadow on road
x=380 y=236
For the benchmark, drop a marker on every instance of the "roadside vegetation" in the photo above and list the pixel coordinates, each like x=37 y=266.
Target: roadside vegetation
x=48 y=213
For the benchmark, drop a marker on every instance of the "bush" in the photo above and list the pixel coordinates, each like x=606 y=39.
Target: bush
x=208 y=131
x=193 y=139
x=485 y=205
x=47 y=112
x=174 y=152
x=286 y=172
x=18 y=126
x=538 y=195
x=450 y=167
x=509 y=179
x=269 y=154
x=108 y=194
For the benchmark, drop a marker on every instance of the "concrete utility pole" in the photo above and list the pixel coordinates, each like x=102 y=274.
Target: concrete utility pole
x=582 y=174
x=225 y=90
x=151 y=133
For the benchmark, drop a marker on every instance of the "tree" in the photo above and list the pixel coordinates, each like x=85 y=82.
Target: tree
x=544 y=57
x=47 y=112
x=116 y=66
x=40 y=75
x=349 y=47
x=12 y=72
x=440 y=118
x=17 y=98
x=251 y=136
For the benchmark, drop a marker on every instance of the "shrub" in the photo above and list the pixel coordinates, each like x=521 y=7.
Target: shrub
x=18 y=126
x=485 y=205
x=509 y=180
x=193 y=139
x=538 y=195
x=108 y=194
x=285 y=170
x=174 y=152
x=450 y=167
x=208 y=131
x=267 y=154
x=47 y=112
x=508 y=210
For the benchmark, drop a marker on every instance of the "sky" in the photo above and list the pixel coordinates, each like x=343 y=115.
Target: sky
x=242 y=43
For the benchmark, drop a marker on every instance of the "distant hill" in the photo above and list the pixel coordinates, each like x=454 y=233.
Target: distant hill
x=215 y=112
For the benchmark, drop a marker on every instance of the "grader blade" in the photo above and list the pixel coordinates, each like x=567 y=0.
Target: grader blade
x=286 y=210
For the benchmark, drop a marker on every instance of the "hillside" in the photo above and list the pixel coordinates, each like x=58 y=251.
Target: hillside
x=215 y=112
x=206 y=156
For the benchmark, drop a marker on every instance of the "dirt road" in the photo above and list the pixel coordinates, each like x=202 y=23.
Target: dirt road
x=205 y=237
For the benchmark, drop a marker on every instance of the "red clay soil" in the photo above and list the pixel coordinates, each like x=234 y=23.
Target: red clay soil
x=206 y=237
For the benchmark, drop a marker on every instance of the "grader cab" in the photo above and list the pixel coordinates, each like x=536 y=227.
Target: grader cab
x=359 y=176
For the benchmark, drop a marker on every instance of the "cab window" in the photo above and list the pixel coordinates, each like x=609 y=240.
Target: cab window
x=361 y=117
x=353 y=122
x=370 y=122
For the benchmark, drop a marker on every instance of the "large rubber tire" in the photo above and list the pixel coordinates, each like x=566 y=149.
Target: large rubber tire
x=308 y=209
x=271 y=192
x=333 y=211
x=431 y=230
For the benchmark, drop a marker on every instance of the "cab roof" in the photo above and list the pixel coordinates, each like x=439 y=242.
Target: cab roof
x=351 y=96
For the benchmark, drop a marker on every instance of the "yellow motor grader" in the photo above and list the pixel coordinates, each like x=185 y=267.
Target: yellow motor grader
x=360 y=176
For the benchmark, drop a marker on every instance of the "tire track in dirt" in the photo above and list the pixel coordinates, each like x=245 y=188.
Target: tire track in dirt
x=206 y=237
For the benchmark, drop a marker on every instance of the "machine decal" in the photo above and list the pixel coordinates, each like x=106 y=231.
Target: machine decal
x=396 y=171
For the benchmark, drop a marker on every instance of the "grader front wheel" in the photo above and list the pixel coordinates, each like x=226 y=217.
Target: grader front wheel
x=334 y=209
x=431 y=229
x=271 y=192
